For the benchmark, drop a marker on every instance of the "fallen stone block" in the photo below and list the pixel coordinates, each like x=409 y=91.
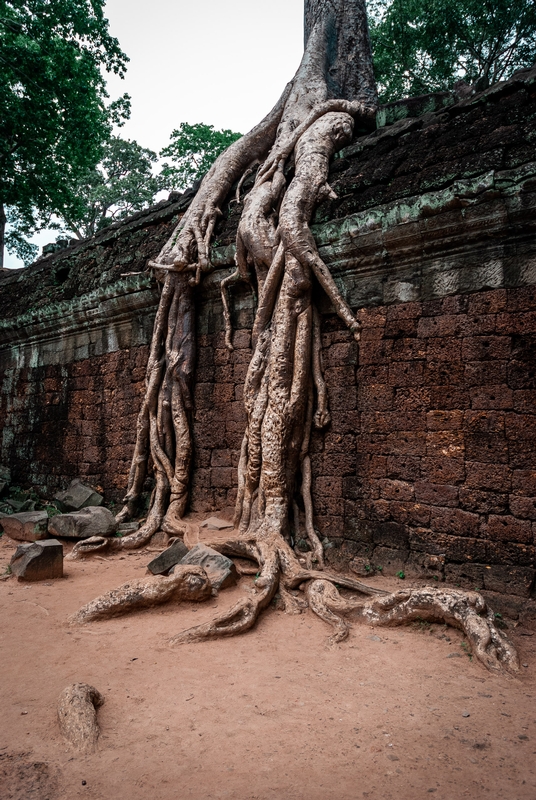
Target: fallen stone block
x=38 y=561
x=216 y=524
x=91 y=521
x=168 y=558
x=26 y=526
x=220 y=569
x=126 y=528
x=78 y=496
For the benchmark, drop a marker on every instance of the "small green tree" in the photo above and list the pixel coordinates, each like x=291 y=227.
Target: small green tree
x=192 y=150
x=122 y=183
x=55 y=114
x=427 y=45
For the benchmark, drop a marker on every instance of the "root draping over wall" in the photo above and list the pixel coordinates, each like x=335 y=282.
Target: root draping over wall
x=284 y=390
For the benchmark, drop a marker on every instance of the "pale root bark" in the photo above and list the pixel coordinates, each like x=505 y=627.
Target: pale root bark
x=186 y=583
x=77 y=716
x=466 y=611
x=284 y=391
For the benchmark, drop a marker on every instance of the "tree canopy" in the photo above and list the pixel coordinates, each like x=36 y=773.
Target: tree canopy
x=123 y=182
x=56 y=114
x=192 y=150
x=427 y=45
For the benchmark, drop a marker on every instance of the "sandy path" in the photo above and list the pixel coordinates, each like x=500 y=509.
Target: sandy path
x=271 y=714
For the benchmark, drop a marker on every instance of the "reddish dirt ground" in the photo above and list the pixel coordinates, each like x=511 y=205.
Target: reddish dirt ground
x=401 y=713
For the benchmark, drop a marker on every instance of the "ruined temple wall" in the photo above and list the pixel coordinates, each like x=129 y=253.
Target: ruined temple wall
x=428 y=464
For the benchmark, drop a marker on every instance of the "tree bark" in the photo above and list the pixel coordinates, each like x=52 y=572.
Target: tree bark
x=284 y=390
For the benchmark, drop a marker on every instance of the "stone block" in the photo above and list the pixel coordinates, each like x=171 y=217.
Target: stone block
x=492 y=476
x=38 y=561
x=444 y=420
x=455 y=521
x=507 y=528
x=524 y=507
x=455 y=548
x=396 y=490
x=468 y=576
x=442 y=469
x=404 y=468
x=220 y=569
x=509 y=580
x=391 y=561
x=391 y=534
x=90 y=521
x=445 y=444
x=127 y=528
x=481 y=502
x=168 y=559
x=514 y=553
x=436 y=494
x=78 y=496
x=410 y=513
x=26 y=526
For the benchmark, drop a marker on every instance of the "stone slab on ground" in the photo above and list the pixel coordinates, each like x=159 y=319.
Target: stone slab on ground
x=38 y=561
x=168 y=558
x=77 y=496
x=26 y=526
x=216 y=524
x=91 y=521
x=220 y=569
x=126 y=528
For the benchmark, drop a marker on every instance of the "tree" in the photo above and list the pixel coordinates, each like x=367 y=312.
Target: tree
x=284 y=391
x=193 y=149
x=122 y=183
x=422 y=46
x=55 y=116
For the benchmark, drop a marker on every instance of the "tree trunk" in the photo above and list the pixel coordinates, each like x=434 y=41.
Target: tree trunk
x=284 y=391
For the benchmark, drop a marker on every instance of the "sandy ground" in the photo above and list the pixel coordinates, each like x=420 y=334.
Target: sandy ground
x=400 y=713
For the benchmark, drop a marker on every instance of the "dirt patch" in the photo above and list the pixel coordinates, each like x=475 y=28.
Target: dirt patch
x=400 y=713
x=22 y=778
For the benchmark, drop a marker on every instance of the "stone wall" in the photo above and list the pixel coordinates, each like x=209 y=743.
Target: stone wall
x=428 y=465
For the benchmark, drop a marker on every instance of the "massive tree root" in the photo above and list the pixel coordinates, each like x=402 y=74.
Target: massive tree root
x=185 y=583
x=284 y=392
x=466 y=611
x=77 y=715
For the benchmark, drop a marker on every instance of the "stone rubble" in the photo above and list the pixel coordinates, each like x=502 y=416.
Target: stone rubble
x=78 y=496
x=168 y=558
x=27 y=526
x=38 y=561
x=90 y=521
x=220 y=569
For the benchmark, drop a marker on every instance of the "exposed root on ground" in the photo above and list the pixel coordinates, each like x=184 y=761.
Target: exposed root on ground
x=464 y=610
x=77 y=715
x=279 y=572
x=185 y=583
x=284 y=392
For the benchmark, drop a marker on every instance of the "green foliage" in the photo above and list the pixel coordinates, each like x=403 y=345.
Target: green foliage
x=16 y=242
x=192 y=150
x=422 y=46
x=401 y=574
x=55 y=115
x=122 y=183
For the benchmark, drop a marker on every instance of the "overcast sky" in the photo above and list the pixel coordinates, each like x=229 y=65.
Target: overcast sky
x=222 y=62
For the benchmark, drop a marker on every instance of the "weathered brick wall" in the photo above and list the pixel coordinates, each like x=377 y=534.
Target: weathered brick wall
x=428 y=464
x=75 y=420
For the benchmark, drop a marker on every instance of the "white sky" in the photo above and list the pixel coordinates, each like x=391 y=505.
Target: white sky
x=221 y=62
